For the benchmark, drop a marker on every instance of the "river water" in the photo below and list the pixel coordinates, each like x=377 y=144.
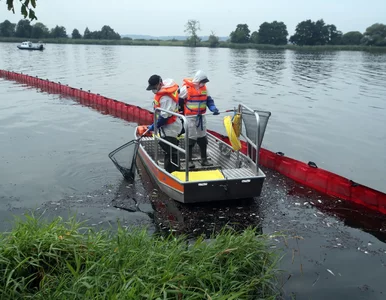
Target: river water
x=327 y=107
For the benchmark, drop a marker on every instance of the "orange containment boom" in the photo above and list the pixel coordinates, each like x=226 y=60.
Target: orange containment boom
x=306 y=174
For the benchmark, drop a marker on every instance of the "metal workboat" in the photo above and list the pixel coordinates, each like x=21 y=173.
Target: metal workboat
x=233 y=175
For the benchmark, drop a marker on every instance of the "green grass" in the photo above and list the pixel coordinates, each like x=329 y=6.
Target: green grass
x=63 y=260
x=171 y=43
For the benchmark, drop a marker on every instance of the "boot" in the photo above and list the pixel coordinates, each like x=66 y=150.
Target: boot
x=202 y=143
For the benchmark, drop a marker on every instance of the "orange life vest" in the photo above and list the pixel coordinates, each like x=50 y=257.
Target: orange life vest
x=195 y=102
x=172 y=92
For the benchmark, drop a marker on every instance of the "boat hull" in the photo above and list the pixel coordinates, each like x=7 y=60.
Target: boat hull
x=31 y=48
x=201 y=191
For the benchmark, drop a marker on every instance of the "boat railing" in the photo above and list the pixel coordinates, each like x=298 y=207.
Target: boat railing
x=255 y=123
x=179 y=149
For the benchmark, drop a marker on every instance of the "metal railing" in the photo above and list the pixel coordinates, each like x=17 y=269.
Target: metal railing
x=179 y=149
x=251 y=143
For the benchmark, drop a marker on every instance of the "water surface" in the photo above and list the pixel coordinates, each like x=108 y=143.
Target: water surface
x=328 y=107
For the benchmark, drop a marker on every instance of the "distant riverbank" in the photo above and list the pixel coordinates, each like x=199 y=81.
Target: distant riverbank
x=176 y=43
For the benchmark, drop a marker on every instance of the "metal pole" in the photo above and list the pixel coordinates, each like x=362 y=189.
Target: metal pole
x=257 y=142
x=187 y=150
x=155 y=140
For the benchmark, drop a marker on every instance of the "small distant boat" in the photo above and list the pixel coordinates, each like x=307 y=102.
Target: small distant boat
x=30 y=46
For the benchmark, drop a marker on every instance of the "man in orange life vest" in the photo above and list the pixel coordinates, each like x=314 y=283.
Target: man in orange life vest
x=195 y=99
x=166 y=97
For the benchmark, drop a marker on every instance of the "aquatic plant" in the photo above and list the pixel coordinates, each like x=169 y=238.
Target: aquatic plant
x=59 y=259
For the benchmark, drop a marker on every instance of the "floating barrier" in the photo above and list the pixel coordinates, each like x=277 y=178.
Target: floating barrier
x=130 y=113
x=307 y=174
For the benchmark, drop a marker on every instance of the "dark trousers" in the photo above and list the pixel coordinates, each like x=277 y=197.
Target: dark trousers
x=168 y=159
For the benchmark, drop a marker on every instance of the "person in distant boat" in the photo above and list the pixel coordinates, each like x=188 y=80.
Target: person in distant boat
x=194 y=99
x=166 y=97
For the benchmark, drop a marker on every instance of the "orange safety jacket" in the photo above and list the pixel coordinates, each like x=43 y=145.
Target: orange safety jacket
x=172 y=92
x=195 y=102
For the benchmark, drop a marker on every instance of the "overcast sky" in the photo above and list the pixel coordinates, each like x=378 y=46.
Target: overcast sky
x=155 y=17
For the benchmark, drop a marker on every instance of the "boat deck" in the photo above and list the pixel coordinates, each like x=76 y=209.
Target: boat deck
x=233 y=165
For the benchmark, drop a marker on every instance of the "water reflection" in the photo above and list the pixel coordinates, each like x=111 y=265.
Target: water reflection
x=213 y=59
x=108 y=58
x=311 y=68
x=78 y=59
x=61 y=56
x=191 y=59
x=270 y=65
x=374 y=70
x=238 y=62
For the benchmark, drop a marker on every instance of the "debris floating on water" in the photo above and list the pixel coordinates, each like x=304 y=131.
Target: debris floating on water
x=316 y=280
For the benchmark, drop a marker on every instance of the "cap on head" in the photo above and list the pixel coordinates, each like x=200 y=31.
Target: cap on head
x=153 y=81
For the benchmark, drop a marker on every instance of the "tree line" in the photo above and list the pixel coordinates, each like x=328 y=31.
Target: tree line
x=307 y=33
x=310 y=33
x=24 y=29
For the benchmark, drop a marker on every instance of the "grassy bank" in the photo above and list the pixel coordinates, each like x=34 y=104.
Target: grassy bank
x=202 y=44
x=62 y=260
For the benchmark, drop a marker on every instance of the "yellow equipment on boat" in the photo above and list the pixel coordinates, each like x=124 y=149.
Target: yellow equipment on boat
x=237 y=124
x=233 y=138
x=199 y=175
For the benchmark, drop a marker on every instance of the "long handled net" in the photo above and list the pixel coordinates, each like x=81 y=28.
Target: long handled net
x=124 y=158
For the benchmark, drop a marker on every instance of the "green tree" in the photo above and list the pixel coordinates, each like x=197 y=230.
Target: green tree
x=213 y=40
x=241 y=34
x=58 y=32
x=274 y=33
x=7 y=29
x=303 y=33
x=107 y=33
x=331 y=36
x=87 y=33
x=352 y=38
x=254 y=37
x=75 y=34
x=39 y=30
x=315 y=33
x=23 y=29
x=191 y=27
x=375 y=35
x=26 y=8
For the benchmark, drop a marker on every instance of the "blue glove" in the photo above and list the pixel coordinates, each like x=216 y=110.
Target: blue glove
x=151 y=127
x=212 y=107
